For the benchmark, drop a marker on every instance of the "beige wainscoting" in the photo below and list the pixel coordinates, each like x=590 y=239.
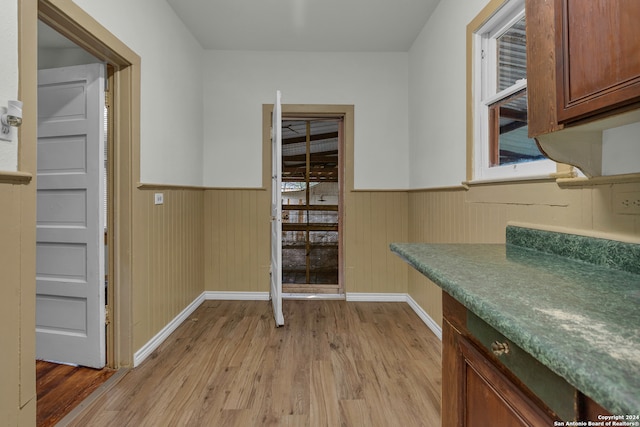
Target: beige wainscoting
x=374 y=219
x=481 y=213
x=237 y=249
x=168 y=247
x=18 y=245
x=17 y=304
x=218 y=239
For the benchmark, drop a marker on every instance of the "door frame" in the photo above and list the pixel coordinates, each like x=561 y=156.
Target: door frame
x=346 y=112
x=71 y=21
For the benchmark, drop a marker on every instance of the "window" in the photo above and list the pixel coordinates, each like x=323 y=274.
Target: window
x=501 y=147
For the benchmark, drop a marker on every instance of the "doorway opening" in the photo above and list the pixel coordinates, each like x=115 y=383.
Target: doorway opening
x=312 y=206
x=72 y=242
x=123 y=76
x=72 y=261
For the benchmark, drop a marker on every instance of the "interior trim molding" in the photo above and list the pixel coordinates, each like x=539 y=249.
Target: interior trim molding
x=375 y=297
x=144 y=352
x=155 y=186
x=428 y=320
x=310 y=296
x=598 y=180
x=460 y=187
x=237 y=296
x=11 y=177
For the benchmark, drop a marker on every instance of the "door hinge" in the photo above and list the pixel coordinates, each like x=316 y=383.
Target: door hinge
x=107 y=315
x=107 y=99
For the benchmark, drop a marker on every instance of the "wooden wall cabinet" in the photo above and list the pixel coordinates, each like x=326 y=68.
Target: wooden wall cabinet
x=583 y=65
x=599 y=60
x=479 y=390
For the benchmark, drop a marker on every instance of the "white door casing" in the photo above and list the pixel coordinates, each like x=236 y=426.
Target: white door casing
x=276 y=211
x=70 y=285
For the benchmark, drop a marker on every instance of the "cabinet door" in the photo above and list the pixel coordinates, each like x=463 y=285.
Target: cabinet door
x=597 y=54
x=476 y=393
x=491 y=399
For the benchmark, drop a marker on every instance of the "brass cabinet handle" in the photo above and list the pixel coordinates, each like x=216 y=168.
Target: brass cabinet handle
x=500 y=348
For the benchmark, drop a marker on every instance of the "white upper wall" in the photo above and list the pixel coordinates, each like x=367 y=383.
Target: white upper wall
x=8 y=76
x=237 y=83
x=171 y=104
x=437 y=96
x=409 y=107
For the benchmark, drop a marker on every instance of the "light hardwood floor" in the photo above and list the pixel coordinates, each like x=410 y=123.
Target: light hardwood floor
x=334 y=363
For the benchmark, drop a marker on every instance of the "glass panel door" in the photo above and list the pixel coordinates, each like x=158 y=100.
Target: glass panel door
x=311 y=201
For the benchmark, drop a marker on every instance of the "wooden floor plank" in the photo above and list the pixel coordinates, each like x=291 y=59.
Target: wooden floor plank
x=60 y=388
x=333 y=363
x=355 y=413
x=324 y=399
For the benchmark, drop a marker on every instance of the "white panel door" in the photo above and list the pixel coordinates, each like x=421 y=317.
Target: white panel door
x=70 y=286
x=276 y=212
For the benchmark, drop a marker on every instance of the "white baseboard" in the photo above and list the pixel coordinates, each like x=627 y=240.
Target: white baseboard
x=237 y=296
x=428 y=320
x=371 y=297
x=300 y=296
x=144 y=352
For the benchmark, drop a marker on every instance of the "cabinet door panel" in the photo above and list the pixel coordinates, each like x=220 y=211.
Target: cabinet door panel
x=485 y=407
x=491 y=398
x=599 y=43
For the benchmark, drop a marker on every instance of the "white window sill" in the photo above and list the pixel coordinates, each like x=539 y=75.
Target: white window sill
x=514 y=179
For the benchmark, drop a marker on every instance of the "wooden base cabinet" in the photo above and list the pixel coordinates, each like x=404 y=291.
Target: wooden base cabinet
x=491 y=399
x=476 y=393
x=489 y=381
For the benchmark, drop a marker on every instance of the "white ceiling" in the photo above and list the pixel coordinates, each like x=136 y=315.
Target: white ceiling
x=305 y=25
x=295 y=25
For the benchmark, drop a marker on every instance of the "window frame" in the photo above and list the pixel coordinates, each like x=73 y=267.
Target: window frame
x=484 y=94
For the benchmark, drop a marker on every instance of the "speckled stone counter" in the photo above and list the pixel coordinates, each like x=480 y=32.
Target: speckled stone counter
x=580 y=319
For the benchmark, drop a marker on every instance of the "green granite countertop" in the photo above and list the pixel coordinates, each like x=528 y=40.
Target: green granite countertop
x=580 y=319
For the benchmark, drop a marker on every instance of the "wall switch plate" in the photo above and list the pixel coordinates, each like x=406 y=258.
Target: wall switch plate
x=627 y=203
x=159 y=198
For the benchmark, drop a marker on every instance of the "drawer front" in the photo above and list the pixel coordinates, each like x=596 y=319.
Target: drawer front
x=552 y=389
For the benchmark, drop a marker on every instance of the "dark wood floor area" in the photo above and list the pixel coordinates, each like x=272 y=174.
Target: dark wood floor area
x=334 y=363
x=60 y=388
